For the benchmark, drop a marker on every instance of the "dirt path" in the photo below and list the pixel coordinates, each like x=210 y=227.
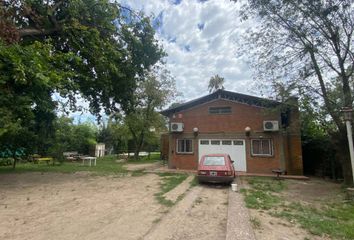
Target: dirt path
x=179 y=190
x=200 y=215
x=79 y=206
x=67 y=206
x=142 y=166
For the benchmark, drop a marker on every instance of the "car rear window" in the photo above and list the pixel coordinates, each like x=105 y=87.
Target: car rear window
x=214 y=161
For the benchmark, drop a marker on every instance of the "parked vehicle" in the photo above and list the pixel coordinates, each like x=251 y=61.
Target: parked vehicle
x=216 y=168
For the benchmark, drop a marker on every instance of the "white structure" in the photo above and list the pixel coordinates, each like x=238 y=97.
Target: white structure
x=100 y=149
x=236 y=148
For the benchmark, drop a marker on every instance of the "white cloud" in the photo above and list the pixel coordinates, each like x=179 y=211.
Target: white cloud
x=200 y=39
x=197 y=53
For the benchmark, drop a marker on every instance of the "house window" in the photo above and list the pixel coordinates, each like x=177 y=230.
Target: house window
x=215 y=142
x=204 y=142
x=184 y=146
x=219 y=110
x=226 y=142
x=238 y=142
x=262 y=147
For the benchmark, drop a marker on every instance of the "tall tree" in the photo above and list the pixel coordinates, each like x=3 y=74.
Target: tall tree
x=152 y=94
x=94 y=48
x=112 y=44
x=309 y=43
x=115 y=134
x=27 y=78
x=216 y=82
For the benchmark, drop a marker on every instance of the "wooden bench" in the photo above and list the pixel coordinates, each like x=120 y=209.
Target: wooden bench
x=43 y=159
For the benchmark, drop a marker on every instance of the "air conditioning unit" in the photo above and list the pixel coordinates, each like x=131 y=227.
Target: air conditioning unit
x=270 y=126
x=176 y=127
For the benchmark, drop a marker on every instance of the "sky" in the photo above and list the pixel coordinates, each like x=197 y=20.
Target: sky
x=201 y=38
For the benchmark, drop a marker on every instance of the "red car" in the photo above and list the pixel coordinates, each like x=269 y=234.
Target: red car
x=216 y=168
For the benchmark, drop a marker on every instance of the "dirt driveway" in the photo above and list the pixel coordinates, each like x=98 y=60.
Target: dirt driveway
x=80 y=206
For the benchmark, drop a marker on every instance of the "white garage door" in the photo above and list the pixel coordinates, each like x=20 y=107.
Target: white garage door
x=234 y=147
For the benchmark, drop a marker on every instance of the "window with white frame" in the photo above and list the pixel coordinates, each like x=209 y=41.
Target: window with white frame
x=184 y=145
x=262 y=147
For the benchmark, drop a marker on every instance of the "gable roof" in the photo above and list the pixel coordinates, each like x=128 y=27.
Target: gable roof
x=226 y=95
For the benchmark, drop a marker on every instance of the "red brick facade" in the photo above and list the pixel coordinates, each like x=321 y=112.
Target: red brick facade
x=286 y=142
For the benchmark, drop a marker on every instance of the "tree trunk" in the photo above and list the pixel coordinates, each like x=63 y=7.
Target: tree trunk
x=341 y=140
x=15 y=160
x=343 y=156
x=136 y=153
x=138 y=145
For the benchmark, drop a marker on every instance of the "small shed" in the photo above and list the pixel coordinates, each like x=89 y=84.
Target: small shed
x=100 y=149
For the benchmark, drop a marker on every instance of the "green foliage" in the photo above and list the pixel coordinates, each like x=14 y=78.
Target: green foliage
x=258 y=199
x=105 y=166
x=307 y=46
x=261 y=196
x=28 y=78
x=115 y=135
x=154 y=157
x=71 y=137
x=112 y=46
x=144 y=122
x=87 y=48
x=267 y=184
x=6 y=161
x=335 y=220
x=330 y=219
x=194 y=182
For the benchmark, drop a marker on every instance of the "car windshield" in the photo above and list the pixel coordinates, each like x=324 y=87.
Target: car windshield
x=214 y=161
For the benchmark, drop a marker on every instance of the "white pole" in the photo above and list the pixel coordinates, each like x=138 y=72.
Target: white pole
x=350 y=141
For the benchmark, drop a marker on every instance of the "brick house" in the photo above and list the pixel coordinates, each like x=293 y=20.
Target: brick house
x=259 y=134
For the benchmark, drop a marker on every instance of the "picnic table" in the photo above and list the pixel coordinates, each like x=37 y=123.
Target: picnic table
x=91 y=160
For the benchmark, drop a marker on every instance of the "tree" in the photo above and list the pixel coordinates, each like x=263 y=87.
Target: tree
x=110 y=45
x=27 y=81
x=94 y=48
x=308 y=43
x=115 y=134
x=152 y=94
x=216 y=82
x=71 y=137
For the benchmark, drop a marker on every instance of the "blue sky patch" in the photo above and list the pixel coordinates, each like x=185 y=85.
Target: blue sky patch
x=157 y=22
x=175 y=2
x=171 y=39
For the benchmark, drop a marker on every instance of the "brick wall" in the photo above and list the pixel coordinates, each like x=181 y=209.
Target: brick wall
x=287 y=147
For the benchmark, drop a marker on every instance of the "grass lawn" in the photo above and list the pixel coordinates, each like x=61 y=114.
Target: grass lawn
x=154 y=157
x=323 y=218
x=105 y=165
